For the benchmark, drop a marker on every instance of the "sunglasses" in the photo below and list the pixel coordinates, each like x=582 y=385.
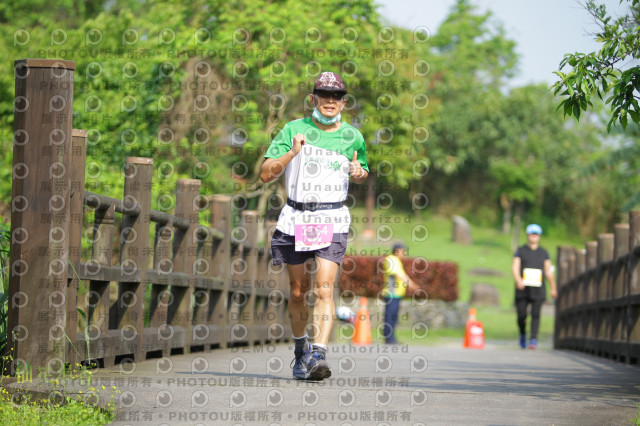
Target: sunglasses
x=326 y=95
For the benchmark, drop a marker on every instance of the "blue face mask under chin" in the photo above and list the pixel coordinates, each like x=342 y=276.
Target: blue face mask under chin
x=325 y=120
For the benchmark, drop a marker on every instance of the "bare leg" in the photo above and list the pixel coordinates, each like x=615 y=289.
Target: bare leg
x=324 y=310
x=298 y=311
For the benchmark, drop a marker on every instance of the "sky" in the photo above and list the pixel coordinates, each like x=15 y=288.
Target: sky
x=544 y=30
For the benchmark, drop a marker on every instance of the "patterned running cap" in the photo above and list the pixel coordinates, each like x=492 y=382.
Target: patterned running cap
x=329 y=82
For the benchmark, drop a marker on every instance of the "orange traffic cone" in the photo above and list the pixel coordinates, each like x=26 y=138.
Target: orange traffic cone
x=362 y=333
x=474 y=332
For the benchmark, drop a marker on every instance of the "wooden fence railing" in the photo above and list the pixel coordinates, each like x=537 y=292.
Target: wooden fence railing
x=177 y=285
x=598 y=307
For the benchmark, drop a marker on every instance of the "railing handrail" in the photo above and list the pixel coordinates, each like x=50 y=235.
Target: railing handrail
x=598 y=306
x=196 y=274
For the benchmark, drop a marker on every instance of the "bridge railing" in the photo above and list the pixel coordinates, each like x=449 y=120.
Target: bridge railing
x=598 y=306
x=153 y=283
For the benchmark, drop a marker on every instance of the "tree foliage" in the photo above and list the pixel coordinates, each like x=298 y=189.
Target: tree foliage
x=203 y=86
x=609 y=73
x=473 y=59
x=613 y=75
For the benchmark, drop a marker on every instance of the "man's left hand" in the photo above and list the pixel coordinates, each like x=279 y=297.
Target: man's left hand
x=355 y=169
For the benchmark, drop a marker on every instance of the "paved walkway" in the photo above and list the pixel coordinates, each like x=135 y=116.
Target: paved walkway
x=377 y=385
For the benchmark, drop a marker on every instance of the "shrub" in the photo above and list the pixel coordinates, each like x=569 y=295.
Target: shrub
x=363 y=276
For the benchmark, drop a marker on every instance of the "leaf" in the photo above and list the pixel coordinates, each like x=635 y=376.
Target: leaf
x=560 y=74
x=584 y=87
x=599 y=93
x=83 y=315
x=576 y=111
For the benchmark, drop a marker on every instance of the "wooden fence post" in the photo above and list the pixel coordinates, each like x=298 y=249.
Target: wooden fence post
x=633 y=289
x=621 y=248
x=160 y=295
x=281 y=275
x=76 y=208
x=221 y=264
x=573 y=267
x=201 y=335
x=274 y=297
x=100 y=315
x=562 y=276
x=571 y=261
x=592 y=263
x=581 y=267
x=603 y=314
x=249 y=222
x=184 y=256
x=634 y=241
x=589 y=320
x=279 y=295
x=618 y=283
x=134 y=253
x=564 y=292
x=605 y=254
x=40 y=218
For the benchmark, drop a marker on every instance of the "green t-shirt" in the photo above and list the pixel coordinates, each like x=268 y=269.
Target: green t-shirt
x=319 y=173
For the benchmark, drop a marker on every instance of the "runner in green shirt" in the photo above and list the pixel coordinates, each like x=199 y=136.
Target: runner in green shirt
x=318 y=155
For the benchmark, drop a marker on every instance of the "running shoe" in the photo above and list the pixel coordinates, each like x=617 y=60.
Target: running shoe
x=523 y=341
x=317 y=365
x=533 y=344
x=300 y=371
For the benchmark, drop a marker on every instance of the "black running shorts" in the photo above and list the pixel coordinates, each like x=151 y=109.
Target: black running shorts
x=283 y=249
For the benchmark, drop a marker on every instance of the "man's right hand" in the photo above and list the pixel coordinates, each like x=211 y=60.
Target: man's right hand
x=272 y=168
x=298 y=142
x=520 y=284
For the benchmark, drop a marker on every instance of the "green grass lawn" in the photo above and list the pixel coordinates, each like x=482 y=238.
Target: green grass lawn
x=490 y=249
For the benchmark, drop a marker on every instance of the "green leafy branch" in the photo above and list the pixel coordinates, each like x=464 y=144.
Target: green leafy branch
x=606 y=72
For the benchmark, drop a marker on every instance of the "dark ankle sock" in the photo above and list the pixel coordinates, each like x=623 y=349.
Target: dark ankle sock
x=300 y=343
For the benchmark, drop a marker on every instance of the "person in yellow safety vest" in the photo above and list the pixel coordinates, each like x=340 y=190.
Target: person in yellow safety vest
x=396 y=283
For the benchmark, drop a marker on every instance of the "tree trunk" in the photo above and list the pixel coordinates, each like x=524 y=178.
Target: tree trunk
x=517 y=225
x=507 y=207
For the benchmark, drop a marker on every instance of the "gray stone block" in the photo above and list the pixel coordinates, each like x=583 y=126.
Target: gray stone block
x=461 y=230
x=484 y=294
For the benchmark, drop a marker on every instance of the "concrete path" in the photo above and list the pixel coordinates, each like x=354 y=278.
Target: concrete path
x=376 y=385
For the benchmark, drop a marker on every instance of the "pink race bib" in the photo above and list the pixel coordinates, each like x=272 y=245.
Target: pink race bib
x=313 y=236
